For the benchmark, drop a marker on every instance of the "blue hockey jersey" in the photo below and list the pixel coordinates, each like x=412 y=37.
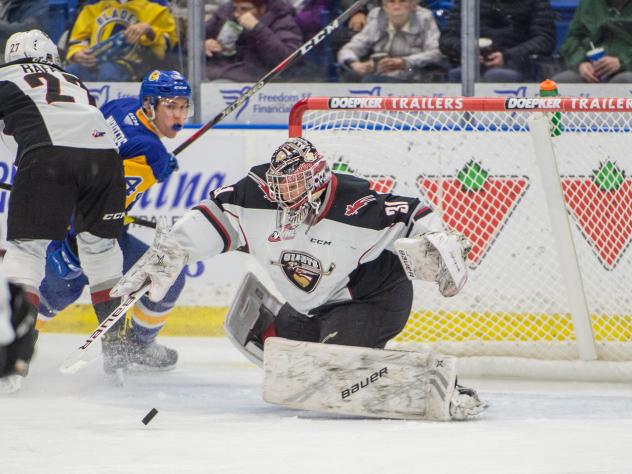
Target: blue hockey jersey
x=146 y=160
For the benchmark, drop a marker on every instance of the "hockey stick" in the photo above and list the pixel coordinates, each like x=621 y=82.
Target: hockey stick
x=78 y=359
x=301 y=51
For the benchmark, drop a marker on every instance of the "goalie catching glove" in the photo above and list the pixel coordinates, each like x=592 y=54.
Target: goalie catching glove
x=161 y=264
x=436 y=256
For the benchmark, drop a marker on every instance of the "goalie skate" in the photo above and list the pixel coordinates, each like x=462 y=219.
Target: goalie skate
x=465 y=404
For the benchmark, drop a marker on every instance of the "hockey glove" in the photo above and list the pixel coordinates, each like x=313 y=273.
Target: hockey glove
x=62 y=258
x=161 y=264
x=436 y=256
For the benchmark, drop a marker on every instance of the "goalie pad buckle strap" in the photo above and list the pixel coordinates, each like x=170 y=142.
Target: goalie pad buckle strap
x=253 y=310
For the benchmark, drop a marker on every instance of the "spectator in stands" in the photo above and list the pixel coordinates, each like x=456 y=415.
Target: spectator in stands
x=399 y=43
x=517 y=29
x=21 y=15
x=120 y=41
x=603 y=24
x=247 y=38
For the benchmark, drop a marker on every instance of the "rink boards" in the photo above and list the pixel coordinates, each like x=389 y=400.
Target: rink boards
x=219 y=158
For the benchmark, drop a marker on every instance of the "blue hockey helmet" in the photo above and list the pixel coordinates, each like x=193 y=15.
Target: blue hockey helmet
x=164 y=85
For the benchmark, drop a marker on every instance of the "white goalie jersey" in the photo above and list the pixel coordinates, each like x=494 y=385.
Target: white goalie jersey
x=347 y=254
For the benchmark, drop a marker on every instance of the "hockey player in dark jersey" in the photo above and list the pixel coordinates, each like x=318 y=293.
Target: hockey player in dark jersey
x=67 y=167
x=330 y=245
x=164 y=106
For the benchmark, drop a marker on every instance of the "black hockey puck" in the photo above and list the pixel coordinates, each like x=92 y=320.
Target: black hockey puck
x=150 y=416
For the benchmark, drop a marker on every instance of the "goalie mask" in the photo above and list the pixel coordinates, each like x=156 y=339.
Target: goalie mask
x=297 y=177
x=33 y=44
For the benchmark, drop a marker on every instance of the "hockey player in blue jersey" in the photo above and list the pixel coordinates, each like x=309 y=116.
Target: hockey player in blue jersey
x=165 y=98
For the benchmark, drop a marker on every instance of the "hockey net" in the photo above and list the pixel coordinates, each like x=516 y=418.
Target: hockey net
x=541 y=188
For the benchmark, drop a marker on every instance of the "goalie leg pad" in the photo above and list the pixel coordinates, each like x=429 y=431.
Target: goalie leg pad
x=252 y=311
x=358 y=381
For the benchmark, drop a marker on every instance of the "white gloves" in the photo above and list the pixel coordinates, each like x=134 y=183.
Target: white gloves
x=161 y=264
x=436 y=256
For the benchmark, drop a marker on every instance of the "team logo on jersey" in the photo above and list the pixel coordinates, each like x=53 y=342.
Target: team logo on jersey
x=97 y=133
x=353 y=208
x=303 y=270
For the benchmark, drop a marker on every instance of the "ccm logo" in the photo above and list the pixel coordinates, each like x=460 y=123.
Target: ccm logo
x=320 y=242
x=113 y=217
x=319 y=37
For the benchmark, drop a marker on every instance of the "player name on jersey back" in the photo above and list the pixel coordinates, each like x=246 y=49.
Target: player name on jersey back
x=42 y=105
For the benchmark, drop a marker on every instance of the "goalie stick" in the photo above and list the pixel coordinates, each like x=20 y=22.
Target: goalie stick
x=79 y=358
x=301 y=51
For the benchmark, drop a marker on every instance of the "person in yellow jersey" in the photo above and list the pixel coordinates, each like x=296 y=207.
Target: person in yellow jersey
x=120 y=40
x=164 y=106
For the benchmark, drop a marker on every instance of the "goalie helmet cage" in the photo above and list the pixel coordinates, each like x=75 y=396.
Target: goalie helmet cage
x=541 y=188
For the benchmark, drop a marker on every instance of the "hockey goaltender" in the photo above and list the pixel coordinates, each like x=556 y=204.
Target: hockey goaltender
x=342 y=256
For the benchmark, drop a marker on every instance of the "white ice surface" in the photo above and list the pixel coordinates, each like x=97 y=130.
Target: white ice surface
x=212 y=420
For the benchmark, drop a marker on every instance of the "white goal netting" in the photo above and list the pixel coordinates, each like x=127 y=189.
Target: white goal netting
x=476 y=161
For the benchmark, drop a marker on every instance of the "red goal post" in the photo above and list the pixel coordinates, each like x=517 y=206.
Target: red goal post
x=541 y=188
